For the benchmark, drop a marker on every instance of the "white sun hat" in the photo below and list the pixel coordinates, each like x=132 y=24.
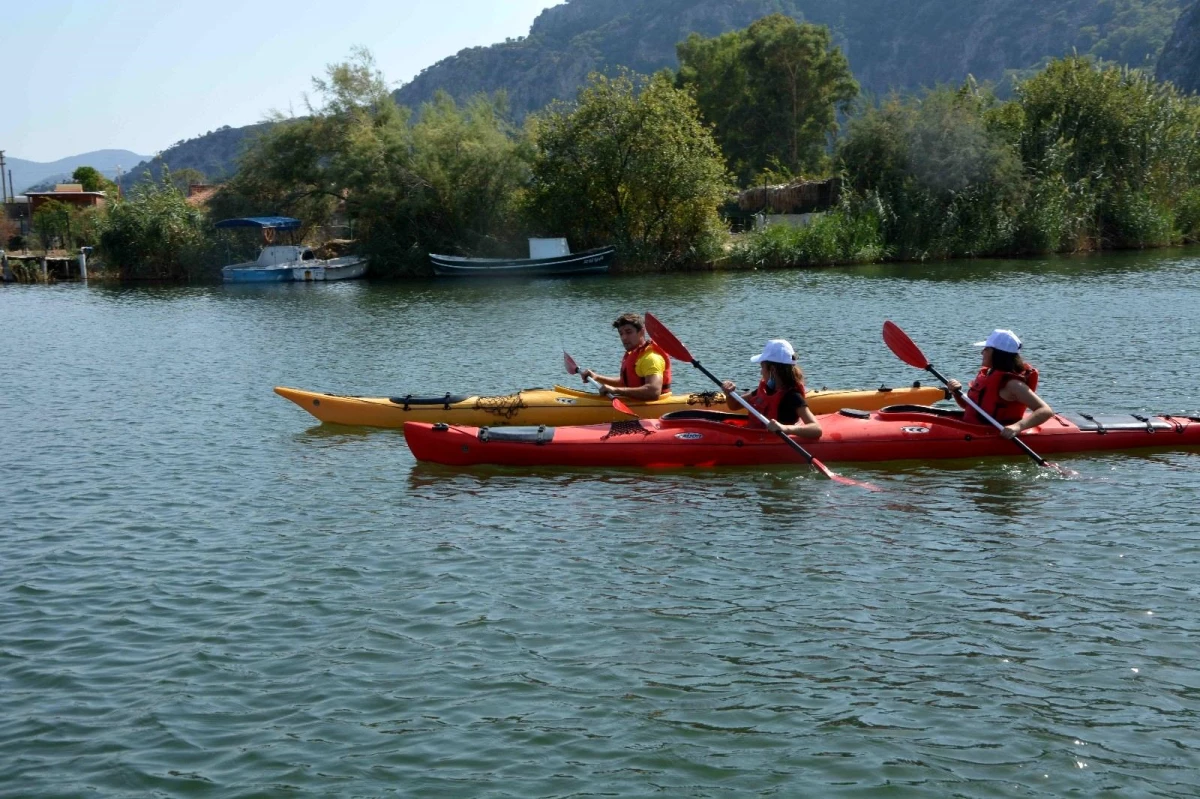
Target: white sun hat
x=1003 y=340
x=776 y=351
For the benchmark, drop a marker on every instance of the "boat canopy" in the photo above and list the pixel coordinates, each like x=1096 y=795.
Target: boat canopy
x=263 y=222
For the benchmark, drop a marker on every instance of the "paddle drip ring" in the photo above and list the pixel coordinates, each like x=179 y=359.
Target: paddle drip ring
x=506 y=407
x=629 y=427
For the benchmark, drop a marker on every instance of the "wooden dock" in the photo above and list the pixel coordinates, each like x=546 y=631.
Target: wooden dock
x=29 y=268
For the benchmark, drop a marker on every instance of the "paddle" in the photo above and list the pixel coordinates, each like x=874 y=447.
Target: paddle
x=676 y=349
x=621 y=407
x=906 y=350
x=573 y=369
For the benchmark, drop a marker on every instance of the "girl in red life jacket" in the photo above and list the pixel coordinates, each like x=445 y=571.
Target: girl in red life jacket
x=1004 y=387
x=780 y=393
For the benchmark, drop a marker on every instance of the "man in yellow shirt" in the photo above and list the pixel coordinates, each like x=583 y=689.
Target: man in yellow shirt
x=645 y=369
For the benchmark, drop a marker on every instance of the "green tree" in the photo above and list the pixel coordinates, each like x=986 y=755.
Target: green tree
x=945 y=184
x=154 y=234
x=186 y=177
x=1115 y=136
x=637 y=168
x=473 y=168
x=92 y=180
x=772 y=91
x=52 y=224
x=451 y=181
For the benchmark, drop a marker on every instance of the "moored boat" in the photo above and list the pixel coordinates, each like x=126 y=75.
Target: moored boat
x=557 y=406
x=547 y=258
x=348 y=267
x=286 y=263
x=710 y=439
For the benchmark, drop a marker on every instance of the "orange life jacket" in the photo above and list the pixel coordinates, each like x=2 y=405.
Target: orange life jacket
x=985 y=392
x=629 y=376
x=768 y=402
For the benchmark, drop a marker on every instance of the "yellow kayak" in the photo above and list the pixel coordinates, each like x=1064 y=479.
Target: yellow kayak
x=561 y=406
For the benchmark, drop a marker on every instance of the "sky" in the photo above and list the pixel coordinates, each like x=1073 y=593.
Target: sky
x=142 y=75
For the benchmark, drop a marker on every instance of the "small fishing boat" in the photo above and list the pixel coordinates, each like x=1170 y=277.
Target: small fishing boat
x=547 y=258
x=706 y=439
x=348 y=267
x=286 y=263
x=557 y=406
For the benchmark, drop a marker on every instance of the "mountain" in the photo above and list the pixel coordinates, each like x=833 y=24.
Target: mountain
x=892 y=44
x=214 y=154
x=26 y=174
x=1180 y=60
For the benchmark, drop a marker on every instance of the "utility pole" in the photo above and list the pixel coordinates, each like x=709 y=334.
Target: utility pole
x=3 y=190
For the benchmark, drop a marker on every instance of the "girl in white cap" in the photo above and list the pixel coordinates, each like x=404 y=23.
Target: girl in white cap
x=780 y=393
x=1004 y=387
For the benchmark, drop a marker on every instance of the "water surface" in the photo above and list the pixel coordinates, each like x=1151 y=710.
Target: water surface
x=204 y=593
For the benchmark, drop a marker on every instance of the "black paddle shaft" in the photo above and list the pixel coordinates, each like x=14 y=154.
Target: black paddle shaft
x=707 y=373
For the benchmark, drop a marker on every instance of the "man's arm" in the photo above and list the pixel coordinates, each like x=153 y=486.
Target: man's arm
x=651 y=390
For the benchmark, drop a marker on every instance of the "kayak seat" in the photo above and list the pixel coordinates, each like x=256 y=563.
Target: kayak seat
x=1102 y=423
x=929 y=409
x=446 y=401
x=527 y=435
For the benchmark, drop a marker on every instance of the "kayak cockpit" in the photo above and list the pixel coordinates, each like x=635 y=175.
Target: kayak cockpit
x=697 y=415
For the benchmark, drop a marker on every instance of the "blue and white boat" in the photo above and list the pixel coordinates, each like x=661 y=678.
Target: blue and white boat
x=286 y=263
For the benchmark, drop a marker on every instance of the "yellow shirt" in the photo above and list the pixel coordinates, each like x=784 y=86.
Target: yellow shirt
x=651 y=363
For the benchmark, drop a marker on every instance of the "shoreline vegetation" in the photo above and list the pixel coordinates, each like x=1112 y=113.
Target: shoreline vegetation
x=1083 y=156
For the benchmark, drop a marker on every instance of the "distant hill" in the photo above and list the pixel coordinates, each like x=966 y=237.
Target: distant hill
x=1180 y=61
x=215 y=154
x=27 y=174
x=892 y=44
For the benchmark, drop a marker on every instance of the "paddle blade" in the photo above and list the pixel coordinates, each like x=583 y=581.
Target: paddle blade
x=569 y=362
x=666 y=339
x=621 y=407
x=1063 y=471
x=837 y=478
x=904 y=347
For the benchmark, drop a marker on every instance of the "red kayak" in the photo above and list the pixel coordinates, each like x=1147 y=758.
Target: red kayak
x=709 y=438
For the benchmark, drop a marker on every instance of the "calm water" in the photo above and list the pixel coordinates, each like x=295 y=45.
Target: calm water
x=204 y=594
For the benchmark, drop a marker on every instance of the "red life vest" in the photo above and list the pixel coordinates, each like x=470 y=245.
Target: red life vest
x=767 y=402
x=629 y=376
x=985 y=392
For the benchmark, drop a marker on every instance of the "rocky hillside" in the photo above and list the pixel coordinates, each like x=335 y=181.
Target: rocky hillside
x=214 y=154
x=1180 y=61
x=891 y=44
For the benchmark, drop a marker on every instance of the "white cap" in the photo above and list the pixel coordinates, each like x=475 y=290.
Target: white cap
x=776 y=351
x=1003 y=340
